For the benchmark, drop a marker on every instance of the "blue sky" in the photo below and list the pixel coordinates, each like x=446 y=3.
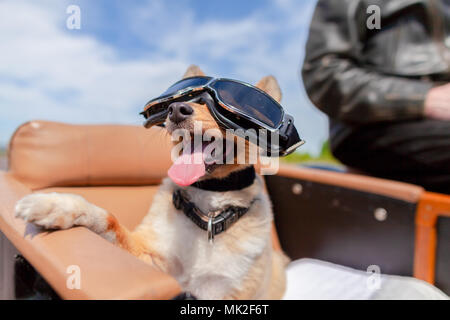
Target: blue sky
x=127 y=52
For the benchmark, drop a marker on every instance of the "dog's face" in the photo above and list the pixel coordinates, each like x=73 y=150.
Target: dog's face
x=184 y=115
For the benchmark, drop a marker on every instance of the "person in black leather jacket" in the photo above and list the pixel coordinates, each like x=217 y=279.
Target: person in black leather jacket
x=386 y=90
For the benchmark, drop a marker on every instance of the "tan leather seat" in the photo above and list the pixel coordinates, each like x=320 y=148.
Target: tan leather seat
x=49 y=154
x=115 y=167
x=394 y=189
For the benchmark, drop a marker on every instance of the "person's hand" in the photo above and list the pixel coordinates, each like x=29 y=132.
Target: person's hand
x=437 y=103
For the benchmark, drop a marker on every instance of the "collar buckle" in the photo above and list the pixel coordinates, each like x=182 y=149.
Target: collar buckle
x=230 y=216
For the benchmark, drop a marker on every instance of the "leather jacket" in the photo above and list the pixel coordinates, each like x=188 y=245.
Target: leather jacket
x=361 y=76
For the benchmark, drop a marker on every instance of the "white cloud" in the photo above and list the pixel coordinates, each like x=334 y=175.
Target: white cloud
x=47 y=72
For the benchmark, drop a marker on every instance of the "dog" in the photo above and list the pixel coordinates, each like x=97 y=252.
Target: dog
x=240 y=264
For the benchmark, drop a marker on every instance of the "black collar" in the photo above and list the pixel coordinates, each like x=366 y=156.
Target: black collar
x=214 y=225
x=234 y=181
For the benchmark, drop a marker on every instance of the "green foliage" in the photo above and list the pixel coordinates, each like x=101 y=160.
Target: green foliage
x=324 y=156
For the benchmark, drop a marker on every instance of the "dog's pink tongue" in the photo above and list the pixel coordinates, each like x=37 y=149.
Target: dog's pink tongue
x=187 y=169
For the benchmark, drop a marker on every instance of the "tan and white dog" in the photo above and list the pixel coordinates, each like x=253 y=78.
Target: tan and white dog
x=240 y=264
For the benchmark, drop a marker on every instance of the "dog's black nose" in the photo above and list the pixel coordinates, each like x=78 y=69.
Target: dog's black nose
x=179 y=111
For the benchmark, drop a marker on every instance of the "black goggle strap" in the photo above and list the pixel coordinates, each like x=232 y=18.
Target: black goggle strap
x=289 y=138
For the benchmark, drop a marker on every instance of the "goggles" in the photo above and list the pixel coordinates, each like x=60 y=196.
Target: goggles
x=234 y=105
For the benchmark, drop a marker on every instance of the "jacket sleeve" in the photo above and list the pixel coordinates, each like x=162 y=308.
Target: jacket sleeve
x=337 y=83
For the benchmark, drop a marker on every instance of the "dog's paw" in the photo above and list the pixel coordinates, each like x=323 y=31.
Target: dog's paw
x=51 y=210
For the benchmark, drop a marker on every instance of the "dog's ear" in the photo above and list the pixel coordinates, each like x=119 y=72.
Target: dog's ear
x=270 y=85
x=193 y=71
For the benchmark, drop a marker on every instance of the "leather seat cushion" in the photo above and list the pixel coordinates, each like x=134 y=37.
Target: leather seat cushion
x=45 y=154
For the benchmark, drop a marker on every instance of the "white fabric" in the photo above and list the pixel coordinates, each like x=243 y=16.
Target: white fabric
x=310 y=279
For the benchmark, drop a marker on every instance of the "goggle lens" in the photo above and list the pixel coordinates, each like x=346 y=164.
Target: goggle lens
x=249 y=101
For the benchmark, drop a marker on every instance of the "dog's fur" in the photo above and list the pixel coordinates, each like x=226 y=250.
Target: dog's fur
x=241 y=263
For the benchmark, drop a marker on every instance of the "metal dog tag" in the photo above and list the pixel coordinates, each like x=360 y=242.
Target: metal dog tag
x=210 y=230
